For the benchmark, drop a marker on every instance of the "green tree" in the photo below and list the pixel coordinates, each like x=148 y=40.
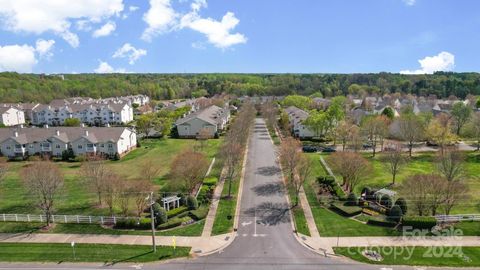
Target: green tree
x=388 y=112
x=461 y=114
x=72 y=122
x=199 y=93
x=317 y=122
x=298 y=101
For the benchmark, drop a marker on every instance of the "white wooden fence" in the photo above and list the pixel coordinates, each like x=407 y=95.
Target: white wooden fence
x=62 y=218
x=456 y=218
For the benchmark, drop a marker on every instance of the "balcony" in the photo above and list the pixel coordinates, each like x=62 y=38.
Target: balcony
x=19 y=150
x=46 y=148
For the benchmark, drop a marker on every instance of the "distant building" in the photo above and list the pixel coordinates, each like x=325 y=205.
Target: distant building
x=297 y=117
x=212 y=118
x=11 y=116
x=53 y=141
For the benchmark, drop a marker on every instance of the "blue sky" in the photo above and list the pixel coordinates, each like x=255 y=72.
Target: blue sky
x=301 y=36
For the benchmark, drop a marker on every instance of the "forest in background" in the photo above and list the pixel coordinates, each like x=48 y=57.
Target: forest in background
x=16 y=87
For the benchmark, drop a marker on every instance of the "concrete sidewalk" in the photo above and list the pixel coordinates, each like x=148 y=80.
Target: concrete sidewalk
x=321 y=244
x=201 y=246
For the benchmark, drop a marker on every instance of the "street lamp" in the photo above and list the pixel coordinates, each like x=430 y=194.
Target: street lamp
x=150 y=197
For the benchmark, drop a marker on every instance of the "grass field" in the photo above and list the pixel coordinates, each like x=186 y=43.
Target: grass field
x=421 y=256
x=109 y=254
x=226 y=210
x=76 y=198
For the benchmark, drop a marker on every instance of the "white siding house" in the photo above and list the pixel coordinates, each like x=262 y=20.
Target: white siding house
x=106 y=141
x=11 y=116
x=296 y=117
x=213 y=119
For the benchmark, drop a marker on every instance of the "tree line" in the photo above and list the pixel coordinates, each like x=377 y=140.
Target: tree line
x=16 y=87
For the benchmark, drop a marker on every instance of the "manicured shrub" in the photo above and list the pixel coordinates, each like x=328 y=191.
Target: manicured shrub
x=352 y=200
x=402 y=203
x=210 y=181
x=139 y=224
x=171 y=223
x=395 y=214
x=176 y=211
x=192 y=203
x=386 y=201
x=200 y=213
x=419 y=222
x=160 y=214
x=348 y=211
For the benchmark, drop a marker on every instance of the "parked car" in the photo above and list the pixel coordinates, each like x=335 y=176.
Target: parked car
x=367 y=145
x=430 y=143
x=329 y=150
x=309 y=149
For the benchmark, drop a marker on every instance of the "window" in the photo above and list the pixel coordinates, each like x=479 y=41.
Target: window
x=57 y=146
x=90 y=145
x=80 y=146
x=8 y=147
x=110 y=145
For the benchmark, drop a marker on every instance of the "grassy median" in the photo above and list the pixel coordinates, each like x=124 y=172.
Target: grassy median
x=110 y=254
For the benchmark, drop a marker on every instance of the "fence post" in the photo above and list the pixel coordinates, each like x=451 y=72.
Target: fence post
x=78 y=220
x=16 y=217
x=53 y=218
x=41 y=218
x=3 y=217
x=101 y=218
x=28 y=217
x=114 y=220
x=90 y=219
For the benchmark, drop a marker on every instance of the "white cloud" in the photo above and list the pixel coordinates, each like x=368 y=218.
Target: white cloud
x=160 y=18
x=19 y=58
x=218 y=33
x=105 y=30
x=44 y=47
x=55 y=16
x=83 y=25
x=443 y=61
x=104 y=67
x=130 y=52
x=409 y=2
x=133 y=8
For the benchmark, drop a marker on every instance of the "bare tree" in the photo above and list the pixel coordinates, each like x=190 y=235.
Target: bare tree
x=455 y=192
x=111 y=183
x=124 y=198
x=344 y=130
x=304 y=170
x=289 y=156
x=139 y=191
x=474 y=128
x=202 y=137
x=411 y=130
x=150 y=170
x=427 y=192
x=355 y=138
x=231 y=154
x=269 y=112
x=451 y=164
x=393 y=160
x=189 y=168
x=93 y=171
x=374 y=129
x=43 y=180
x=439 y=131
x=351 y=166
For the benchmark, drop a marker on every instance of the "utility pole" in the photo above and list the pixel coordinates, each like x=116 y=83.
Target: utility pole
x=152 y=217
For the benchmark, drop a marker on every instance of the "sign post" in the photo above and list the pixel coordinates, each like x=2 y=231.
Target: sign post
x=73 y=249
x=174 y=244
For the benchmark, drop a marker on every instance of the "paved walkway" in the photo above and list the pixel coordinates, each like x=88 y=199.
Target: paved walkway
x=212 y=212
x=200 y=245
x=307 y=211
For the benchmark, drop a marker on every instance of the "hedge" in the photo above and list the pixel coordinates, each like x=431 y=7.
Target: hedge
x=142 y=224
x=176 y=211
x=200 y=213
x=420 y=222
x=210 y=181
x=381 y=222
x=171 y=223
x=348 y=211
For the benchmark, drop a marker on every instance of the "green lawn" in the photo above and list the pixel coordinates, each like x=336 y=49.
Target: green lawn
x=330 y=223
x=423 y=163
x=75 y=198
x=421 y=256
x=23 y=227
x=226 y=210
x=109 y=254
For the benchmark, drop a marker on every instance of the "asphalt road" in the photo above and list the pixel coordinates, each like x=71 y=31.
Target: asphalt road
x=265 y=238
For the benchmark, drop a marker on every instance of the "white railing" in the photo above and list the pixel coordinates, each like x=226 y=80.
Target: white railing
x=456 y=218
x=62 y=218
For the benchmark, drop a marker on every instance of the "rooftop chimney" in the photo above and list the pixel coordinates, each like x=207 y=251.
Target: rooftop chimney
x=57 y=132
x=86 y=132
x=46 y=126
x=15 y=133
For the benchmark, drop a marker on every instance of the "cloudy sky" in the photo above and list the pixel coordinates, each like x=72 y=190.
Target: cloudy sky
x=176 y=36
